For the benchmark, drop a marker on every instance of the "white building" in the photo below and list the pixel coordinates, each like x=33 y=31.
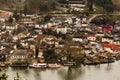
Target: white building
x=91 y=37
x=62 y=30
x=105 y=39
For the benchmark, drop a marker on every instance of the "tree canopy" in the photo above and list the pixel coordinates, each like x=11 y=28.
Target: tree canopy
x=106 y=4
x=41 y=5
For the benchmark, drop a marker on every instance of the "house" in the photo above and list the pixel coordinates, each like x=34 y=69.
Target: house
x=99 y=47
x=99 y=28
x=2 y=19
x=69 y=20
x=48 y=25
x=22 y=35
x=39 y=37
x=73 y=44
x=39 y=31
x=107 y=29
x=99 y=34
x=61 y=44
x=87 y=51
x=117 y=42
x=91 y=37
x=21 y=58
x=117 y=25
x=26 y=20
x=4 y=15
x=93 y=43
x=61 y=29
x=84 y=24
x=3 y=56
x=107 y=39
x=84 y=21
x=9 y=26
x=107 y=47
x=77 y=38
x=110 y=47
x=52 y=42
x=52 y=28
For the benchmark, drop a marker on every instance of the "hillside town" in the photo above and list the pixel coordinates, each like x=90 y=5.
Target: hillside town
x=71 y=37
x=55 y=40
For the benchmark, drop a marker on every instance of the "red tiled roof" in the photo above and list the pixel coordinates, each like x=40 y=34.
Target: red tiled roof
x=91 y=35
x=107 y=29
x=112 y=46
x=4 y=14
x=52 y=28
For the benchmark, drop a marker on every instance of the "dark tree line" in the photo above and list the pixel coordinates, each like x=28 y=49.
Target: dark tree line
x=106 y=4
x=90 y=5
x=41 y=5
x=63 y=1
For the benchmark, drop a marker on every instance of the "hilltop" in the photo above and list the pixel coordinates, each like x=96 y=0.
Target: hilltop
x=116 y=4
x=51 y=5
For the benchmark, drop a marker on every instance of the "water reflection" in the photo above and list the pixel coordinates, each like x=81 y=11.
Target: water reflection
x=36 y=74
x=70 y=73
x=97 y=67
x=98 y=72
x=109 y=67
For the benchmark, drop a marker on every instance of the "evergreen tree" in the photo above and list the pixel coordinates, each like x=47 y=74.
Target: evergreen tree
x=17 y=77
x=47 y=18
x=25 y=10
x=63 y=1
x=53 y=5
x=43 y=7
x=10 y=19
x=3 y=76
x=90 y=5
x=36 y=51
x=106 y=4
x=16 y=16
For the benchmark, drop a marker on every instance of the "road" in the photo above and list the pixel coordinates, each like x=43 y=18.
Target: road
x=96 y=15
x=91 y=17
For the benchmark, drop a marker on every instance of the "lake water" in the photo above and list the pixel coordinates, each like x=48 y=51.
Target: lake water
x=99 y=72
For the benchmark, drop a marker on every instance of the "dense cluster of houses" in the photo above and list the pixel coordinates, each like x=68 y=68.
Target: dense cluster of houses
x=70 y=37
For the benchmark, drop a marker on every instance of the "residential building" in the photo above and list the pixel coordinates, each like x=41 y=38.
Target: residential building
x=61 y=29
x=107 y=39
x=21 y=58
x=91 y=37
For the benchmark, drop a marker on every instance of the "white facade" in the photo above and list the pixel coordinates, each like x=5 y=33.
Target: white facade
x=108 y=49
x=117 y=27
x=78 y=39
x=107 y=40
x=100 y=35
x=62 y=30
x=87 y=52
x=84 y=20
x=117 y=42
x=91 y=38
x=2 y=19
x=84 y=24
